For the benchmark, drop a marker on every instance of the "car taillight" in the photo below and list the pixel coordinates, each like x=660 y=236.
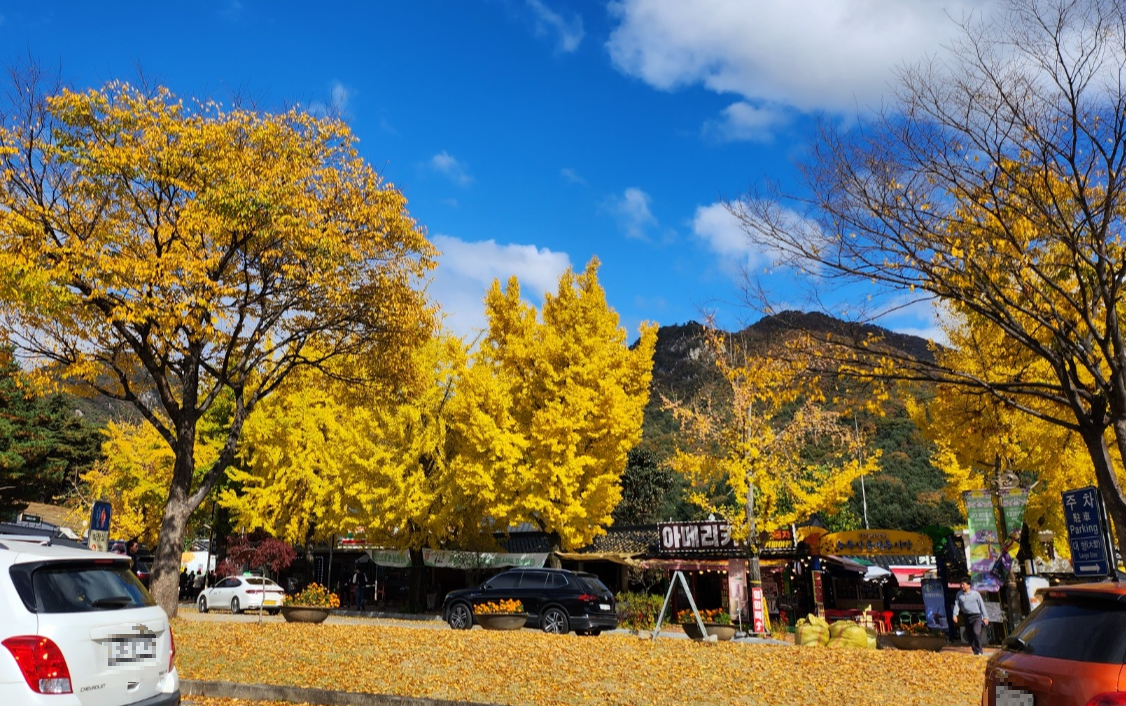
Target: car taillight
x=1117 y=698
x=588 y=597
x=171 y=648
x=42 y=663
x=253 y=590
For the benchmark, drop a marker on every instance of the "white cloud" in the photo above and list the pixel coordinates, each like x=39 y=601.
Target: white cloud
x=446 y=165
x=724 y=236
x=743 y=121
x=631 y=209
x=572 y=176
x=339 y=99
x=467 y=269
x=806 y=55
x=569 y=31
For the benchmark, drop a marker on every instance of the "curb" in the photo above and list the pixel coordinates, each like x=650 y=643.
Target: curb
x=296 y=694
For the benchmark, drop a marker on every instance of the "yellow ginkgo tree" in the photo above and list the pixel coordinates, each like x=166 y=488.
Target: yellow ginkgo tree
x=418 y=466
x=762 y=452
x=576 y=392
x=167 y=252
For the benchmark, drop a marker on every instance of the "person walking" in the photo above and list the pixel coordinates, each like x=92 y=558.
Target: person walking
x=971 y=607
x=359 y=587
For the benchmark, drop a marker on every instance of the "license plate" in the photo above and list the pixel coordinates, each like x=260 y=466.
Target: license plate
x=271 y=602
x=1013 y=697
x=603 y=606
x=129 y=650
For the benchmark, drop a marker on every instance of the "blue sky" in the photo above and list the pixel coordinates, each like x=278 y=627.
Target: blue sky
x=532 y=135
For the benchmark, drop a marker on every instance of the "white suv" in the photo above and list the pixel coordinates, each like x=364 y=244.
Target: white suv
x=79 y=629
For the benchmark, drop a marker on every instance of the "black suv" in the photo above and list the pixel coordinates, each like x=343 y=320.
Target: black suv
x=556 y=600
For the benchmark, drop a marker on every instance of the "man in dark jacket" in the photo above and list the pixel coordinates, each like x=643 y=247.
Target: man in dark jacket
x=359 y=587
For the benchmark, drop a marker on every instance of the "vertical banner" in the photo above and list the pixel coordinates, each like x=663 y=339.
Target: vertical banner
x=758 y=610
x=1086 y=532
x=984 y=547
x=934 y=602
x=98 y=536
x=736 y=587
x=1013 y=503
x=818 y=593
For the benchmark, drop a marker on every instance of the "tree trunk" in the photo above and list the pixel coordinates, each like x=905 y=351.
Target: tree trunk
x=754 y=570
x=1109 y=487
x=416 y=599
x=165 y=585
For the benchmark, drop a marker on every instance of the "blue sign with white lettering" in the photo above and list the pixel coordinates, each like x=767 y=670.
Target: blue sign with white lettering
x=1085 y=532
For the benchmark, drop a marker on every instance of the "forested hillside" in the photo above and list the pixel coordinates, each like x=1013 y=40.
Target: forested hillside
x=906 y=493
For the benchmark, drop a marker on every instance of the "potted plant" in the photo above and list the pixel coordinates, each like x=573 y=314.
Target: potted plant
x=917 y=636
x=311 y=605
x=500 y=615
x=717 y=621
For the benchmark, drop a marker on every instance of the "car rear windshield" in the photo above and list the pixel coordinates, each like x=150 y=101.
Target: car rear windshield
x=78 y=587
x=595 y=585
x=1078 y=629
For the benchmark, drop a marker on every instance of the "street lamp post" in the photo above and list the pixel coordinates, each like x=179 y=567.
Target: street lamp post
x=1004 y=481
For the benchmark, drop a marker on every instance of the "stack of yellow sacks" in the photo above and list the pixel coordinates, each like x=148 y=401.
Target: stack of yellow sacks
x=814 y=631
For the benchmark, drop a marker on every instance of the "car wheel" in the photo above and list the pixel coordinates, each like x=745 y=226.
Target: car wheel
x=273 y=612
x=235 y=609
x=554 y=621
x=202 y=604
x=460 y=617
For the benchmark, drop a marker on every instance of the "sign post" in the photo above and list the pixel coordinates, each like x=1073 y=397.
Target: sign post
x=758 y=611
x=100 y=515
x=1086 y=532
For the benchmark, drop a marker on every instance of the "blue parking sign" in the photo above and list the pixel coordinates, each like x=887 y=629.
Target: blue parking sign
x=1086 y=532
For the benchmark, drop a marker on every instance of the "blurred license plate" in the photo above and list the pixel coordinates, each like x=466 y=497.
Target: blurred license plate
x=1013 y=697
x=271 y=602
x=603 y=606
x=130 y=650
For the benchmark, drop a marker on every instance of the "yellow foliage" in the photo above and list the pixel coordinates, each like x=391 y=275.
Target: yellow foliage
x=746 y=442
x=134 y=476
x=973 y=431
x=575 y=395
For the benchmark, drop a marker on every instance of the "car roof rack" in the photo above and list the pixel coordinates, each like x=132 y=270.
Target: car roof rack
x=40 y=539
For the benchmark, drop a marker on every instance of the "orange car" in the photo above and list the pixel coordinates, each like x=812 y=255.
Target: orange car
x=1071 y=651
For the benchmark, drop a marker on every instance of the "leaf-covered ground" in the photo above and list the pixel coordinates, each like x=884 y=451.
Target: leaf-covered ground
x=529 y=667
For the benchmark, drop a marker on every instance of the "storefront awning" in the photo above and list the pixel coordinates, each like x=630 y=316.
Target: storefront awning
x=688 y=564
x=615 y=557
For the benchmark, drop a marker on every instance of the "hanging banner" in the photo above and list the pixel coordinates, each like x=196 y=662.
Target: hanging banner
x=401 y=558
x=876 y=543
x=100 y=515
x=1013 y=503
x=480 y=560
x=984 y=548
x=398 y=558
x=1086 y=532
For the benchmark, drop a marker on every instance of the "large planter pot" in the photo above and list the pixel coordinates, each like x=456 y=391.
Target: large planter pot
x=502 y=621
x=304 y=614
x=723 y=633
x=934 y=643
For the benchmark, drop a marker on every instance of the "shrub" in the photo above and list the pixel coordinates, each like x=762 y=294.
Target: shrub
x=638 y=611
x=718 y=616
